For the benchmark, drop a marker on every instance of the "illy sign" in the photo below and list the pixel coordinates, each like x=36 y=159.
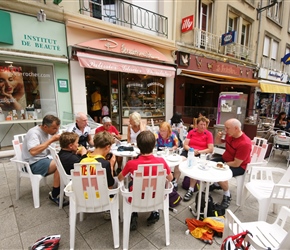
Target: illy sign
x=187 y=24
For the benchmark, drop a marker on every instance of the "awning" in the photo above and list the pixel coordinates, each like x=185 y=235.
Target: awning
x=274 y=87
x=93 y=61
x=219 y=79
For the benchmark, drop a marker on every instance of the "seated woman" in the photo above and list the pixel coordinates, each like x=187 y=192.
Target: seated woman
x=194 y=124
x=280 y=122
x=177 y=124
x=201 y=140
x=107 y=126
x=165 y=137
x=135 y=127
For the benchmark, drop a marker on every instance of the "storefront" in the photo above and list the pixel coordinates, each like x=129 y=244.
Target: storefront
x=130 y=76
x=200 y=81
x=34 y=76
x=273 y=94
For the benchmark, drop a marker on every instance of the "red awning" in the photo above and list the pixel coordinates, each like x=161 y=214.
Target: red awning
x=93 y=61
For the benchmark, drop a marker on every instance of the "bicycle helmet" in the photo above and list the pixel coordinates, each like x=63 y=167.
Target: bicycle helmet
x=49 y=242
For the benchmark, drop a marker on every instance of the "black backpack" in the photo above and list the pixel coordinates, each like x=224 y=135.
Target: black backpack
x=174 y=198
x=213 y=209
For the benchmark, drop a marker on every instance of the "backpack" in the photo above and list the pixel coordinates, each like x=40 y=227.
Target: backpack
x=235 y=242
x=174 y=198
x=213 y=209
x=186 y=184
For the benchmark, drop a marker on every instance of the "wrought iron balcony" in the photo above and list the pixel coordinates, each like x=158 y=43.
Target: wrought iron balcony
x=211 y=42
x=271 y=64
x=206 y=40
x=240 y=51
x=126 y=14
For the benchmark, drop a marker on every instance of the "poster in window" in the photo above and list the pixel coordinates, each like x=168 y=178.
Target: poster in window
x=18 y=87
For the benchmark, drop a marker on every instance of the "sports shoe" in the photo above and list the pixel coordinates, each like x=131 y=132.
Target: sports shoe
x=188 y=195
x=213 y=187
x=134 y=221
x=175 y=185
x=56 y=200
x=154 y=217
x=226 y=201
x=107 y=215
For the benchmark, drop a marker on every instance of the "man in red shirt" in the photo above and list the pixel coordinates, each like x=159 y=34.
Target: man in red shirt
x=145 y=142
x=236 y=155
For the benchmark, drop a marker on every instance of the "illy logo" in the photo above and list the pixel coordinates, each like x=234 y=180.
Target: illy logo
x=187 y=23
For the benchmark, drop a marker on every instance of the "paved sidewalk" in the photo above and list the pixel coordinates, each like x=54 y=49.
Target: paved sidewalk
x=22 y=224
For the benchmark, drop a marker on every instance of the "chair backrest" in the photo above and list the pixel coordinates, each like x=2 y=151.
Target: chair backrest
x=20 y=137
x=259 y=149
x=17 y=146
x=148 y=187
x=63 y=175
x=89 y=183
x=21 y=165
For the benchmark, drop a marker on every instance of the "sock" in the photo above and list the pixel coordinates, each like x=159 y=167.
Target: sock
x=227 y=193
x=191 y=189
x=216 y=184
x=55 y=192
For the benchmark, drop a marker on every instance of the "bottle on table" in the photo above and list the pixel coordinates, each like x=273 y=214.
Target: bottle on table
x=190 y=157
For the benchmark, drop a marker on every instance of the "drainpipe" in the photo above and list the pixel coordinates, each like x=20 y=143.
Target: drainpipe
x=259 y=32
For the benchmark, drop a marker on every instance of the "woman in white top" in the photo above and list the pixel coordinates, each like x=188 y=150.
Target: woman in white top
x=135 y=127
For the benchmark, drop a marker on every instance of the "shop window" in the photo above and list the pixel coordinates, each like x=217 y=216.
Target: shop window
x=144 y=94
x=26 y=89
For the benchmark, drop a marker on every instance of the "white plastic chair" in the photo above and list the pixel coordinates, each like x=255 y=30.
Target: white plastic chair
x=150 y=192
x=20 y=137
x=282 y=143
x=88 y=193
x=265 y=235
x=23 y=170
x=259 y=150
x=64 y=177
x=264 y=188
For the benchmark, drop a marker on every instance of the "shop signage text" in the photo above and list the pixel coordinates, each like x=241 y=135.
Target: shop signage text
x=40 y=42
x=155 y=84
x=228 y=38
x=187 y=24
x=226 y=69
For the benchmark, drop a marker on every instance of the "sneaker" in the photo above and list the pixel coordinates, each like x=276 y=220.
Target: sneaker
x=118 y=171
x=188 y=195
x=213 y=187
x=56 y=200
x=134 y=221
x=174 y=183
x=226 y=201
x=107 y=215
x=154 y=217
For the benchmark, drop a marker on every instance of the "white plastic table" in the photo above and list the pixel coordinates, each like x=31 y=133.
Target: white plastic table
x=171 y=160
x=206 y=177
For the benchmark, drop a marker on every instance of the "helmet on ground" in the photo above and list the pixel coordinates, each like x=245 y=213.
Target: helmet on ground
x=49 y=242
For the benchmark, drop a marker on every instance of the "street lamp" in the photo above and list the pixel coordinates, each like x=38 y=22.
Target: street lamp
x=259 y=10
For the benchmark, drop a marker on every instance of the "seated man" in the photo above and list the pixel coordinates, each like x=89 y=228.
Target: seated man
x=35 y=151
x=70 y=152
x=236 y=155
x=145 y=142
x=82 y=128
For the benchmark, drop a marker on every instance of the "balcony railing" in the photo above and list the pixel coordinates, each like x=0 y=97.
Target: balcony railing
x=240 y=51
x=126 y=14
x=206 y=40
x=271 y=64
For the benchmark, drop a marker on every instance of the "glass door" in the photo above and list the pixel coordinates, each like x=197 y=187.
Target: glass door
x=115 y=101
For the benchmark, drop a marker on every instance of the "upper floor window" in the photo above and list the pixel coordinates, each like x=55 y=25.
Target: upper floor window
x=104 y=10
x=275 y=12
x=270 y=48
